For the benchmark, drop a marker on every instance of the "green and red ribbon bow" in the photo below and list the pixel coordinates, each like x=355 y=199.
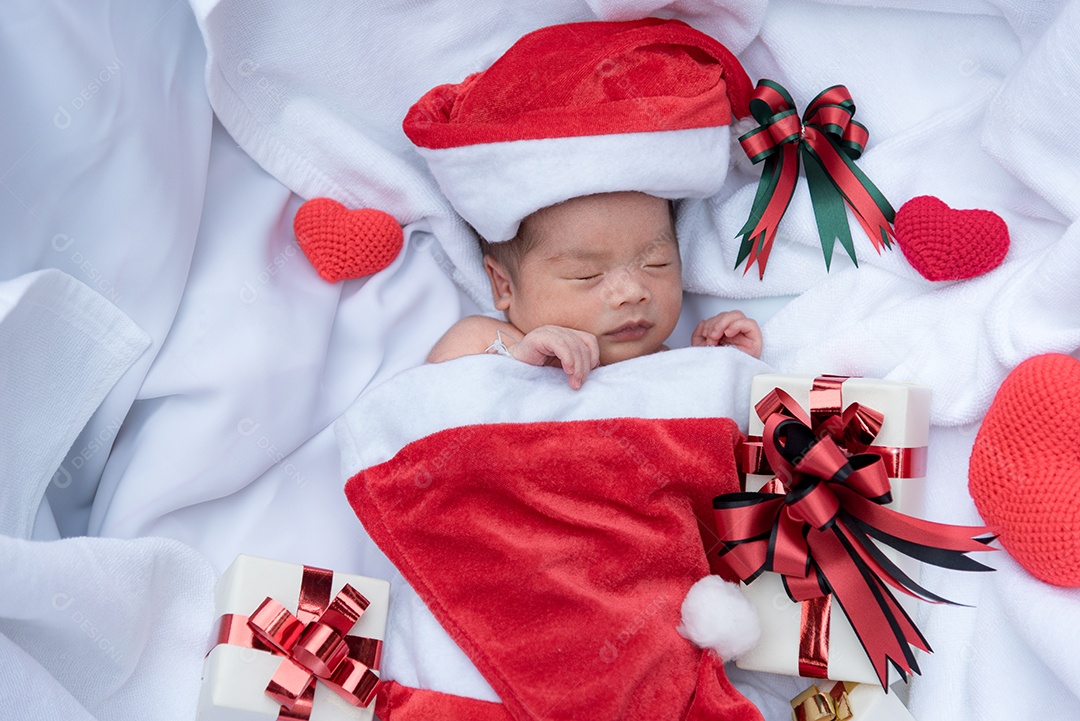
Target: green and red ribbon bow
x=829 y=141
x=819 y=535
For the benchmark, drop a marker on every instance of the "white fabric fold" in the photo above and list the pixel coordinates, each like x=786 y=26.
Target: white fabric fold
x=102 y=171
x=89 y=628
x=62 y=349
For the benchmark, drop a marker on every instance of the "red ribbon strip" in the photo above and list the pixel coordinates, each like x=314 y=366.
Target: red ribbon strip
x=817 y=533
x=314 y=642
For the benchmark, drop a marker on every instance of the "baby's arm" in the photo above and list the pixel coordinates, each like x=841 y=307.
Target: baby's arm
x=730 y=328
x=576 y=351
x=472 y=336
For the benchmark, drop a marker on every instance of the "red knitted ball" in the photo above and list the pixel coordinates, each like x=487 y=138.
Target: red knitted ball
x=1025 y=467
x=946 y=244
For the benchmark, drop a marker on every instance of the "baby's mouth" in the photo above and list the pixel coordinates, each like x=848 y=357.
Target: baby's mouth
x=634 y=330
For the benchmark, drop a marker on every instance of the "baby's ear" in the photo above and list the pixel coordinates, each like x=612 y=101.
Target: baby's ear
x=501 y=289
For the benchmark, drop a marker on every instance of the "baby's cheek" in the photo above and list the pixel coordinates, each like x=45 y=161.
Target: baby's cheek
x=674 y=304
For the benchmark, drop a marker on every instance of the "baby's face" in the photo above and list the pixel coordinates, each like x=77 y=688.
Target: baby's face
x=607 y=264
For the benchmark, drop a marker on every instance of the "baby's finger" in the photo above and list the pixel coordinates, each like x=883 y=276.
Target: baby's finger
x=742 y=325
x=588 y=358
x=714 y=331
x=711 y=332
x=748 y=341
x=578 y=368
x=697 y=338
x=717 y=330
x=740 y=341
x=571 y=358
x=586 y=350
x=592 y=345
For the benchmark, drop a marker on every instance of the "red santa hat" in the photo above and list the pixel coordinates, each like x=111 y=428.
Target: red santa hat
x=572 y=573
x=578 y=109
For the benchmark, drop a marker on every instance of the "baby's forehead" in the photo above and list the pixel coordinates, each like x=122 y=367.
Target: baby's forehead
x=593 y=226
x=581 y=249
x=600 y=205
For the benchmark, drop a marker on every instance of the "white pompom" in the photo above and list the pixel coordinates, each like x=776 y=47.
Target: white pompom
x=716 y=615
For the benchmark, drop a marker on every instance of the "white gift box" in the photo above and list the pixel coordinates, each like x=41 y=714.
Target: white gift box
x=906 y=425
x=862 y=702
x=235 y=677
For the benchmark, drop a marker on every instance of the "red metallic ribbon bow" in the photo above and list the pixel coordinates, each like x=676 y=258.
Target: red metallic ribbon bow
x=854 y=428
x=828 y=140
x=818 y=535
x=315 y=644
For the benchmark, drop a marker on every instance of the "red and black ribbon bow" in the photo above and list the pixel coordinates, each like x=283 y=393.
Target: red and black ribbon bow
x=820 y=536
x=828 y=140
x=854 y=428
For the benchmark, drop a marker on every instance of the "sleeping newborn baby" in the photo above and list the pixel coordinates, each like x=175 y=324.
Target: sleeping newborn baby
x=539 y=539
x=589 y=281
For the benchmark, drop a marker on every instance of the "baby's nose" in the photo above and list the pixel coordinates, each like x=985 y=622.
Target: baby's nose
x=627 y=287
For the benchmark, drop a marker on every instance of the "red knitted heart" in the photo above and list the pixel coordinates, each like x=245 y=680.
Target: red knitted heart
x=343 y=243
x=1025 y=467
x=946 y=244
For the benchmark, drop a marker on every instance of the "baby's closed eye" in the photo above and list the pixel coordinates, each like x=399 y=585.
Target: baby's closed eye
x=583 y=275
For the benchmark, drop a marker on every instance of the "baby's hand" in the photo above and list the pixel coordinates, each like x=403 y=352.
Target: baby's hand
x=576 y=351
x=730 y=328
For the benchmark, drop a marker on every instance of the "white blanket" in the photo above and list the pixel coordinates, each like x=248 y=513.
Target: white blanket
x=964 y=100
x=219 y=435
x=89 y=627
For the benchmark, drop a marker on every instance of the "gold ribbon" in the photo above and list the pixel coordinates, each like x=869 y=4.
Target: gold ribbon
x=815 y=705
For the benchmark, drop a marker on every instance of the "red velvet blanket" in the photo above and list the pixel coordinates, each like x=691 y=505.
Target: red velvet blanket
x=557 y=556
